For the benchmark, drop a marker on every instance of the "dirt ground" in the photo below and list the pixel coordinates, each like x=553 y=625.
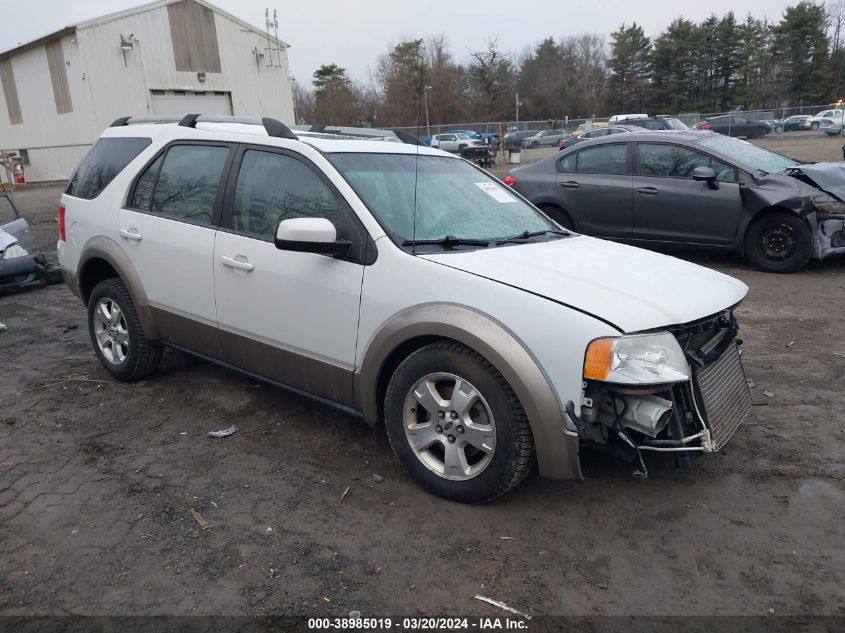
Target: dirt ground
x=99 y=482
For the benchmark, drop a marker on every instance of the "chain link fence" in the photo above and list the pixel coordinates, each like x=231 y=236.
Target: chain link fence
x=567 y=125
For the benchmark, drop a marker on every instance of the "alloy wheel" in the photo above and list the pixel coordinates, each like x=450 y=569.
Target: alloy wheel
x=449 y=426
x=111 y=331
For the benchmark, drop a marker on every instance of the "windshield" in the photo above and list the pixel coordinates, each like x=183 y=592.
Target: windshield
x=453 y=198
x=748 y=154
x=461 y=135
x=675 y=124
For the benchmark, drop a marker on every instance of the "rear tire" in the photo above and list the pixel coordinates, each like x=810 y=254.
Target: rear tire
x=814 y=126
x=558 y=215
x=779 y=242
x=116 y=333
x=456 y=425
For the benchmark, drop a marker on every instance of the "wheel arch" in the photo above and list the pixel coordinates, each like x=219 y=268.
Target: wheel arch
x=103 y=259
x=557 y=448
x=766 y=211
x=545 y=204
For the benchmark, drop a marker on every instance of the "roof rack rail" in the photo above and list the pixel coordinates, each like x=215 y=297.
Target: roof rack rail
x=272 y=126
x=360 y=132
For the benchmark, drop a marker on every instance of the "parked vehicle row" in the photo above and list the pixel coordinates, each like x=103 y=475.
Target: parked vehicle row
x=406 y=286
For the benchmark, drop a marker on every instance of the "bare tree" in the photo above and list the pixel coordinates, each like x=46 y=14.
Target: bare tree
x=303 y=103
x=492 y=79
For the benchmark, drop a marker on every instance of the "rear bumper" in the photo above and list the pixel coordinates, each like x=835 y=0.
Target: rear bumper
x=70 y=280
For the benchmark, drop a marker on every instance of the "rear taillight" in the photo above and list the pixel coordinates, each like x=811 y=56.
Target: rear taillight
x=510 y=181
x=705 y=126
x=826 y=122
x=563 y=145
x=62 y=222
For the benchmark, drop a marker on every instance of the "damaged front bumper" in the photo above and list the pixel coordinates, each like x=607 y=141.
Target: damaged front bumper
x=696 y=415
x=829 y=231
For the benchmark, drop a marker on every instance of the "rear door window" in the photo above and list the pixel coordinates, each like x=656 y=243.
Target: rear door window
x=182 y=184
x=568 y=164
x=604 y=159
x=103 y=163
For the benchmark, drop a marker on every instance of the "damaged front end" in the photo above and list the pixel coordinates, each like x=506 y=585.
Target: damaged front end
x=828 y=222
x=822 y=205
x=683 y=390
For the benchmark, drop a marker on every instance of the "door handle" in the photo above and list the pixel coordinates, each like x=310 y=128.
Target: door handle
x=231 y=262
x=648 y=191
x=130 y=234
x=570 y=184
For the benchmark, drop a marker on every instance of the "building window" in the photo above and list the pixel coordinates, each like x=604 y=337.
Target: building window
x=58 y=76
x=10 y=91
x=194 y=37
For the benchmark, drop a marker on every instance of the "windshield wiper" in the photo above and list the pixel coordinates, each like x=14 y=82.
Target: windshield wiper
x=448 y=241
x=527 y=235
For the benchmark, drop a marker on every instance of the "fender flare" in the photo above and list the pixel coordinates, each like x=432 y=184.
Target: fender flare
x=556 y=446
x=101 y=247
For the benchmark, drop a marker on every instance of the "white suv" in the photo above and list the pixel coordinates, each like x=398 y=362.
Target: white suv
x=836 y=116
x=401 y=284
x=454 y=142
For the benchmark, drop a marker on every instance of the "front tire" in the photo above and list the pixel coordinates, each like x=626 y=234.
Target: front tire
x=814 y=126
x=779 y=242
x=456 y=425
x=116 y=333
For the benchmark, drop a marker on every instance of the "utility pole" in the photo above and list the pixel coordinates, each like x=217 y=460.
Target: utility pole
x=427 y=123
x=517 y=109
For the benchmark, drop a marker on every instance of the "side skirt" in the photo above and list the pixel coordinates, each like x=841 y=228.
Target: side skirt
x=350 y=411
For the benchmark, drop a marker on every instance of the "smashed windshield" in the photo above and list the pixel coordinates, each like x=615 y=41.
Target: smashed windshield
x=749 y=154
x=453 y=198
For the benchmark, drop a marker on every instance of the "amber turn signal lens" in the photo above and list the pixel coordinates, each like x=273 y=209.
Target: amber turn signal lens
x=597 y=362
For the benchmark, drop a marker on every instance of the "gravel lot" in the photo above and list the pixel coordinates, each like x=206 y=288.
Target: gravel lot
x=99 y=481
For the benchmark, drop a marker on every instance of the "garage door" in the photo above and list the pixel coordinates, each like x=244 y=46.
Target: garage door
x=177 y=102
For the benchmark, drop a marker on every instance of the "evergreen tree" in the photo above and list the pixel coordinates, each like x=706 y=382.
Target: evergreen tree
x=630 y=67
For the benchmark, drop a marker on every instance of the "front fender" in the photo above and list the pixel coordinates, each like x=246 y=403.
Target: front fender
x=556 y=446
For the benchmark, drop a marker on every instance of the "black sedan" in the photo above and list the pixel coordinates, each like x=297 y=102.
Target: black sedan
x=736 y=125
x=795 y=123
x=695 y=188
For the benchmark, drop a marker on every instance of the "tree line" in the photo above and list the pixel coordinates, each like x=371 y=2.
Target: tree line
x=716 y=65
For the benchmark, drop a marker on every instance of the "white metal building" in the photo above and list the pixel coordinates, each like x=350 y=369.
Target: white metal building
x=169 y=57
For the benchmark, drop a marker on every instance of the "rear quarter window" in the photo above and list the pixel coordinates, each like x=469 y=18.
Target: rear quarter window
x=103 y=163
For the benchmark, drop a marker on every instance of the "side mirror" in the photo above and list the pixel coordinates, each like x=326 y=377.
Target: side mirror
x=310 y=235
x=705 y=174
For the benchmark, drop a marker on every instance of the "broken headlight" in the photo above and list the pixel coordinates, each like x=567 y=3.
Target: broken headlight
x=15 y=250
x=639 y=359
x=828 y=204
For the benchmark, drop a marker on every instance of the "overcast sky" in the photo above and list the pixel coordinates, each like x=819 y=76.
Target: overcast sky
x=353 y=33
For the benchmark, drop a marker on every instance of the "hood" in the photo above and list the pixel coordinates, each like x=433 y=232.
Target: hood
x=631 y=288
x=6 y=240
x=827 y=176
